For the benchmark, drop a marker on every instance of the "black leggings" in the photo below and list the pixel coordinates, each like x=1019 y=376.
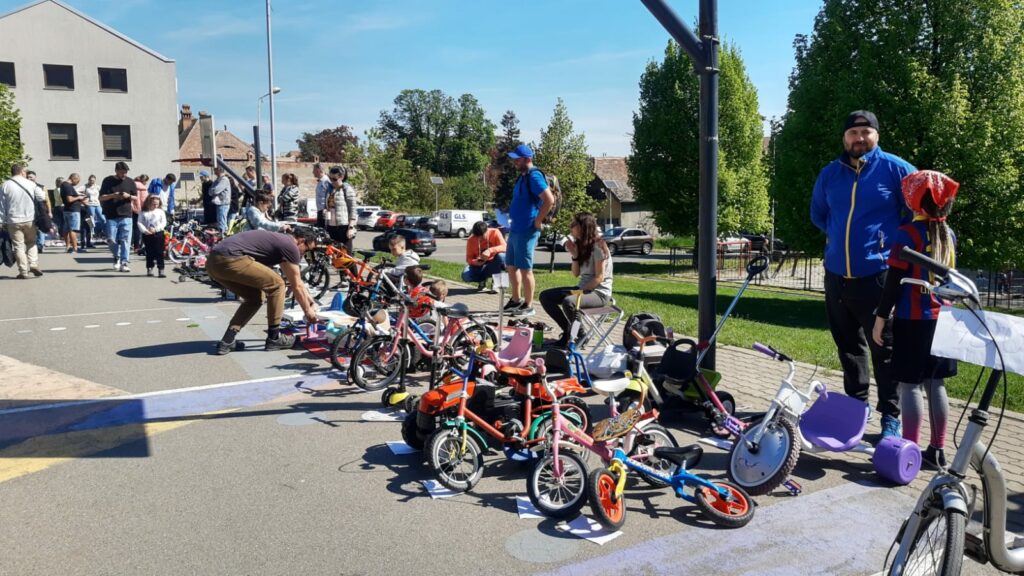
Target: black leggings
x=154 y=244
x=560 y=304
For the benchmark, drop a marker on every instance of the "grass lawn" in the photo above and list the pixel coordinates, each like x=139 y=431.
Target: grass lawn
x=793 y=322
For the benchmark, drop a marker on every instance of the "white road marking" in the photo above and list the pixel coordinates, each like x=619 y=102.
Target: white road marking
x=104 y=313
x=210 y=317
x=153 y=321
x=122 y=324
x=182 y=319
x=92 y=326
x=24 y=332
x=58 y=328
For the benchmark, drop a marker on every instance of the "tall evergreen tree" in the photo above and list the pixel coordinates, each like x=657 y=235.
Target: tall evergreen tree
x=944 y=78
x=664 y=165
x=563 y=153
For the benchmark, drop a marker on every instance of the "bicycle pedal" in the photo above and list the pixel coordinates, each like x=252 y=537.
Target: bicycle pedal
x=793 y=486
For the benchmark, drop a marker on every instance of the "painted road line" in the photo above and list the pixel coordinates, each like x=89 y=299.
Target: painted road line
x=58 y=329
x=182 y=319
x=107 y=313
x=91 y=326
x=153 y=321
x=122 y=324
x=23 y=332
x=871 y=517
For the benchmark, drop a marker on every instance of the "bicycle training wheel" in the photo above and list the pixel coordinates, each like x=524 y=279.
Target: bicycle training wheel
x=938 y=546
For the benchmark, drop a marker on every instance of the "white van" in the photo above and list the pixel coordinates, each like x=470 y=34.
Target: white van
x=458 y=222
x=367 y=216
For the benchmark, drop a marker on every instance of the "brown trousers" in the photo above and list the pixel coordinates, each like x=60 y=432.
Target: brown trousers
x=250 y=280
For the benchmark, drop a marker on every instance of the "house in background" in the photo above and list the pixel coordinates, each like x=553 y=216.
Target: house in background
x=89 y=96
x=611 y=182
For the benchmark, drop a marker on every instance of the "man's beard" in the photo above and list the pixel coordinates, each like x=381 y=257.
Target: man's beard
x=858 y=149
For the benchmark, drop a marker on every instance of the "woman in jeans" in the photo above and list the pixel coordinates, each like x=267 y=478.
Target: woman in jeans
x=592 y=263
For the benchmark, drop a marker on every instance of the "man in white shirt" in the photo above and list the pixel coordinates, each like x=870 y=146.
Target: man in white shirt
x=18 y=208
x=323 y=190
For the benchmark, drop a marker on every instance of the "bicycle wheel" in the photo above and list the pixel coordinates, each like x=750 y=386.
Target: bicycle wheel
x=558 y=496
x=654 y=436
x=455 y=468
x=373 y=366
x=344 y=346
x=410 y=432
x=609 y=510
x=733 y=513
x=317 y=277
x=178 y=252
x=938 y=546
x=761 y=471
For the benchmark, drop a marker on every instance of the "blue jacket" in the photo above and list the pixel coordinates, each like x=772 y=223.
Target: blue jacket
x=859 y=210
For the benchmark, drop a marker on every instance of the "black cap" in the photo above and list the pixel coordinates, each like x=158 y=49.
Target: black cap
x=860 y=118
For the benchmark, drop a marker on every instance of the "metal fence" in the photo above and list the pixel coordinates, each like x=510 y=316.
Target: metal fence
x=797 y=271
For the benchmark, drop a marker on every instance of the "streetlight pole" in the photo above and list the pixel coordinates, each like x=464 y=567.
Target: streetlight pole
x=259 y=116
x=270 y=89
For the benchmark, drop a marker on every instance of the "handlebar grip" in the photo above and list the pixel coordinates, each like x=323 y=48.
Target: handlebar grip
x=541 y=368
x=766 y=350
x=914 y=257
x=757 y=265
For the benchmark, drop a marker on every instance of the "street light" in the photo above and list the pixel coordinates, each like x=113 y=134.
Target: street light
x=259 y=104
x=436 y=181
x=273 y=90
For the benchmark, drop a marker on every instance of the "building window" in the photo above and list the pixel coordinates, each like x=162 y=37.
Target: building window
x=7 y=74
x=113 y=79
x=117 y=142
x=63 y=141
x=58 y=77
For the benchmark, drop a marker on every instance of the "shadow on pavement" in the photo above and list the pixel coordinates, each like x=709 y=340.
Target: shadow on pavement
x=204 y=347
x=196 y=300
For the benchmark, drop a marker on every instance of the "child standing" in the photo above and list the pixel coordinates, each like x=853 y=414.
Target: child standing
x=152 y=221
x=930 y=195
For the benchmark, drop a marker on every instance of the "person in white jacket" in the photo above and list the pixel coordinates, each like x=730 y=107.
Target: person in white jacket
x=152 y=221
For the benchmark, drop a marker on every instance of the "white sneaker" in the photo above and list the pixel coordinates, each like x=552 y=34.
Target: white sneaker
x=117 y=264
x=125 y=268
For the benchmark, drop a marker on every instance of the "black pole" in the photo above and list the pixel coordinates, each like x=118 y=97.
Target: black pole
x=259 y=157
x=704 y=53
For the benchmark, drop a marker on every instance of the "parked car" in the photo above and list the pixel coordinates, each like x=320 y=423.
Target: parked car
x=428 y=223
x=733 y=242
x=419 y=241
x=759 y=242
x=621 y=239
x=367 y=219
x=493 y=223
x=387 y=220
x=410 y=222
x=458 y=222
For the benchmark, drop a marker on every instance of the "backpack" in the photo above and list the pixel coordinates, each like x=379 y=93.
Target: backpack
x=646 y=324
x=556 y=191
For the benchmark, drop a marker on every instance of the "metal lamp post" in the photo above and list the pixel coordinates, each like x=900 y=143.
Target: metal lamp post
x=437 y=181
x=259 y=106
x=270 y=88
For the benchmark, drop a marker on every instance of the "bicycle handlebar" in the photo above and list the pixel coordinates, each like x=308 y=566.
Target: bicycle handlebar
x=757 y=265
x=914 y=257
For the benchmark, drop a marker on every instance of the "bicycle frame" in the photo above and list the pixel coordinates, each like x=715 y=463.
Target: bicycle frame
x=679 y=481
x=605 y=450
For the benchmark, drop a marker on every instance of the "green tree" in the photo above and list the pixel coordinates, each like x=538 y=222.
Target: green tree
x=446 y=136
x=664 y=165
x=11 y=148
x=388 y=177
x=467 y=191
x=329 y=145
x=945 y=81
x=501 y=173
x=563 y=153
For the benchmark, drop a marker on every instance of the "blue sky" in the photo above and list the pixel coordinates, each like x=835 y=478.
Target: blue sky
x=342 y=62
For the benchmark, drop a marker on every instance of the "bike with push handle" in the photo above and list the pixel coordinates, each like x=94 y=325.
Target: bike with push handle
x=765 y=454
x=936 y=536
x=557 y=484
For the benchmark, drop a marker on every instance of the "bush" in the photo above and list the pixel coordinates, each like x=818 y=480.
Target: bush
x=668 y=242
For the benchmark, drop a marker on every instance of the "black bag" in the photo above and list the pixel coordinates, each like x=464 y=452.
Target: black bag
x=646 y=324
x=6 y=249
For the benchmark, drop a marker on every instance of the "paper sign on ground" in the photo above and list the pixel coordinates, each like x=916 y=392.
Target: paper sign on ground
x=526 y=508
x=383 y=415
x=436 y=490
x=960 y=335
x=588 y=529
x=401 y=448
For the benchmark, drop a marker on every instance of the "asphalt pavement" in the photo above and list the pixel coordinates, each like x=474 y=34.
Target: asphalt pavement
x=127 y=447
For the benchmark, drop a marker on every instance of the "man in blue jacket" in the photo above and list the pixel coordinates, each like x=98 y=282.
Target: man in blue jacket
x=857 y=203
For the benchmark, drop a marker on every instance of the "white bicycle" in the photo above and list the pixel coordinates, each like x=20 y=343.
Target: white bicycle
x=933 y=539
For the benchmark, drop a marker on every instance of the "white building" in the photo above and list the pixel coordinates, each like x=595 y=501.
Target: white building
x=89 y=96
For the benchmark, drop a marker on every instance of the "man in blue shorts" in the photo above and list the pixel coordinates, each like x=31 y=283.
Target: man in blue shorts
x=531 y=202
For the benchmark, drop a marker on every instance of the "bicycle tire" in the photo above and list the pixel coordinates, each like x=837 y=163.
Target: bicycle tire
x=560 y=497
x=779 y=442
x=317 y=277
x=454 y=469
x=727 y=514
x=951 y=544
x=344 y=346
x=660 y=464
x=410 y=432
x=365 y=369
x=609 y=510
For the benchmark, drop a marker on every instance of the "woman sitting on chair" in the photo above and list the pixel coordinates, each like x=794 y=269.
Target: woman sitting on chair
x=592 y=263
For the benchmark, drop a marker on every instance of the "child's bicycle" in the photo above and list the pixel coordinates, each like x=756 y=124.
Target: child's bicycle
x=557 y=485
x=765 y=454
x=935 y=537
x=373 y=305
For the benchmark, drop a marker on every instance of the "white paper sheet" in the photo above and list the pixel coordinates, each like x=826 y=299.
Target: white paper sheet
x=526 y=508
x=588 y=529
x=959 y=335
x=500 y=280
x=383 y=415
x=436 y=490
x=401 y=448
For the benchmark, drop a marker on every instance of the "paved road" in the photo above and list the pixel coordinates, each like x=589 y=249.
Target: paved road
x=167 y=470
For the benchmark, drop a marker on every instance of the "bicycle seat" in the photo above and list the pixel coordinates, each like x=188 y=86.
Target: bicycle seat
x=611 y=387
x=685 y=456
x=366 y=254
x=457 y=311
x=424 y=267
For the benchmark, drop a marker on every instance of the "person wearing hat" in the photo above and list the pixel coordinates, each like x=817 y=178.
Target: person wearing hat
x=531 y=201
x=857 y=203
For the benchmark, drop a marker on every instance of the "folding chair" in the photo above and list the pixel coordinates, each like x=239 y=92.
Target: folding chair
x=598 y=322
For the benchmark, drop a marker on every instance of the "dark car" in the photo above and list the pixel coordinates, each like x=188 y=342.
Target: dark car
x=492 y=223
x=621 y=239
x=419 y=241
x=758 y=243
x=428 y=223
x=411 y=222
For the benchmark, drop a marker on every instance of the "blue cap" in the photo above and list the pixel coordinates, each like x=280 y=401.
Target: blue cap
x=521 y=151
x=204 y=173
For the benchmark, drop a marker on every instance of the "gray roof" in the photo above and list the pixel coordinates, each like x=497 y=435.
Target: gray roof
x=93 y=21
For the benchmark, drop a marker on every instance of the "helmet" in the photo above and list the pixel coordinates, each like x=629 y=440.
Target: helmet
x=942 y=188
